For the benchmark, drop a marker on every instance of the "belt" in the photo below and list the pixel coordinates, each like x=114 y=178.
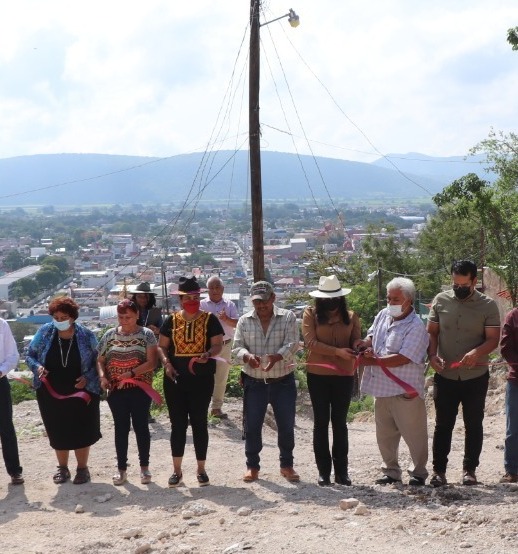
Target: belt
x=268 y=380
x=227 y=341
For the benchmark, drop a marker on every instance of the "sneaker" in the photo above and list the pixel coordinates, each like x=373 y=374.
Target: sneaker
x=415 y=481
x=469 y=478
x=17 y=479
x=203 y=479
x=145 y=476
x=175 y=480
x=387 y=480
x=120 y=478
x=509 y=478
x=438 y=480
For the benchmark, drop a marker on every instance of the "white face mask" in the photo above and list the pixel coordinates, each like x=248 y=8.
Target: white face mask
x=395 y=310
x=62 y=325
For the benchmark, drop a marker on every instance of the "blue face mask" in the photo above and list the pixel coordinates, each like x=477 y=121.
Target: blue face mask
x=61 y=325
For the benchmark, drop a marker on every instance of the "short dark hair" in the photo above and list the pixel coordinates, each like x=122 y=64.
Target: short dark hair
x=124 y=305
x=464 y=267
x=66 y=305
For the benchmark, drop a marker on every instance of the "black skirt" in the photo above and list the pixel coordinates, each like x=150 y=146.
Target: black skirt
x=71 y=423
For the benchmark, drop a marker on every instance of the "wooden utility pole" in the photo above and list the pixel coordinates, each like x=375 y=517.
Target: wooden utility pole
x=254 y=130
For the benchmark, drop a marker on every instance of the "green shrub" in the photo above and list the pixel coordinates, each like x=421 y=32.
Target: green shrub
x=158 y=385
x=234 y=388
x=21 y=392
x=364 y=404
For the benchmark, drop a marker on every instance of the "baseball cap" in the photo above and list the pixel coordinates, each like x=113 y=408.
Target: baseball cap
x=262 y=290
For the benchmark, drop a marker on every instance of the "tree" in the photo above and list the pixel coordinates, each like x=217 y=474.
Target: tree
x=13 y=261
x=492 y=210
x=512 y=37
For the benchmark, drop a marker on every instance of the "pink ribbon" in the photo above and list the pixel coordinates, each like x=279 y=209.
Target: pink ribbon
x=409 y=389
x=79 y=394
x=148 y=389
x=192 y=361
x=340 y=371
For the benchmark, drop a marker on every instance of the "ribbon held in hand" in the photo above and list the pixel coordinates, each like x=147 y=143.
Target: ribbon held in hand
x=83 y=395
x=192 y=361
x=148 y=389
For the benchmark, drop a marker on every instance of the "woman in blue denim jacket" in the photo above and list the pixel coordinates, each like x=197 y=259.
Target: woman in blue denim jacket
x=62 y=356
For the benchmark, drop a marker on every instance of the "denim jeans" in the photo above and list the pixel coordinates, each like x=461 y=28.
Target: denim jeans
x=330 y=398
x=511 y=428
x=282 y=396
x=7 y=432
x=130 y=406
x=448 y=394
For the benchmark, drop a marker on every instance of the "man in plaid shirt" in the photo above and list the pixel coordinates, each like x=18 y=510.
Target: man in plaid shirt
x=265 y=340
x=398 y=340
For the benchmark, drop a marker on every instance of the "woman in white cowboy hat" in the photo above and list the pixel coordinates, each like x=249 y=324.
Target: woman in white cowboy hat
x=329 y=331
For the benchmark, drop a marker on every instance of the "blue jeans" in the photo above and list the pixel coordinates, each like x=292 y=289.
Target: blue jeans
x=282 y=395
x=511 y=428
x=7 y=432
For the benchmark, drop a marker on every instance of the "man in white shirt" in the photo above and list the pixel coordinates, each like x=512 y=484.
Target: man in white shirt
x=226 y=311
x=8 y=359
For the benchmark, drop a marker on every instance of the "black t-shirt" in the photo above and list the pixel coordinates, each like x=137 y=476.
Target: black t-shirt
x=190 y=339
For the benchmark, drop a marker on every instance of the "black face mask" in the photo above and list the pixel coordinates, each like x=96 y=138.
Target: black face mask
x=329 y=304
x=461 y=292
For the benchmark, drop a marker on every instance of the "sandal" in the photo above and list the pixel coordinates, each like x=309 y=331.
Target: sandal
x=120 y=477
x=62 y=475
x=145 y=476
x=82 y=476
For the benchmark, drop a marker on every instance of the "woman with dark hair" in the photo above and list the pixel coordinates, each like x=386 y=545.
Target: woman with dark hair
x=330 y=331
x=189 y=339
x=149 y=315
x=127 y=358
x=62 y=357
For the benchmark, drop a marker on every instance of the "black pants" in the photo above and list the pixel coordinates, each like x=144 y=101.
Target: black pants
x=330 y=397
x=188 y=400
x=130 y=407
x=448 y=394
x=7 y=432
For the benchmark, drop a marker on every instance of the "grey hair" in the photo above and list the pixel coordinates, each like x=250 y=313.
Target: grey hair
x=214 y=278
x=406 y=286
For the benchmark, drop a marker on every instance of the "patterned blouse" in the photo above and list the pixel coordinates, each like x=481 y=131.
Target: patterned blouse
x=126 y=352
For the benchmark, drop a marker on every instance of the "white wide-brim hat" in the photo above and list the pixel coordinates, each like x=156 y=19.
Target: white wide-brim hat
x=329 y=287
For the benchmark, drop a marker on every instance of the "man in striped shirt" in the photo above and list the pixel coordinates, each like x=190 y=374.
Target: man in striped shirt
x=265 y=340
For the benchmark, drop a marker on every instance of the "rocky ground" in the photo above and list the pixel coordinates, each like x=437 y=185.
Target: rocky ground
x=270 y=515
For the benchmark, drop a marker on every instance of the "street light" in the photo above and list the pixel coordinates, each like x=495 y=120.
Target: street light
x=254 y=135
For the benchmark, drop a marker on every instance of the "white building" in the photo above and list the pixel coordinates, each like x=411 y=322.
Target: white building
x=8 y=281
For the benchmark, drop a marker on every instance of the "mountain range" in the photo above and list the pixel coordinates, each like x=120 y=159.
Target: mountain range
x=72 y=179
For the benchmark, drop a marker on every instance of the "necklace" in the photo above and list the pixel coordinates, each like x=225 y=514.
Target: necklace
x=64 y=362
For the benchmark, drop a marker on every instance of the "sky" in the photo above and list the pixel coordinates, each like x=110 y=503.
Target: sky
x=160 y=78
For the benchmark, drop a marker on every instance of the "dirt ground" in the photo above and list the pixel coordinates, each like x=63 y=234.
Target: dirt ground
x=270 y=515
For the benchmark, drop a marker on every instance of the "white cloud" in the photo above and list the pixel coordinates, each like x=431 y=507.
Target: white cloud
x=149 y=78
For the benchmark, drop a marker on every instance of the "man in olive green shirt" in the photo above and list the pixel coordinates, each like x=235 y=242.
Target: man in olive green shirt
x=464 y=328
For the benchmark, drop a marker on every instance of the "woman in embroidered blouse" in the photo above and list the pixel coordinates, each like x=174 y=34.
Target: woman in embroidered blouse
x=330 y=332
x=127 y=357
x=186 y=335
x=64 y=353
